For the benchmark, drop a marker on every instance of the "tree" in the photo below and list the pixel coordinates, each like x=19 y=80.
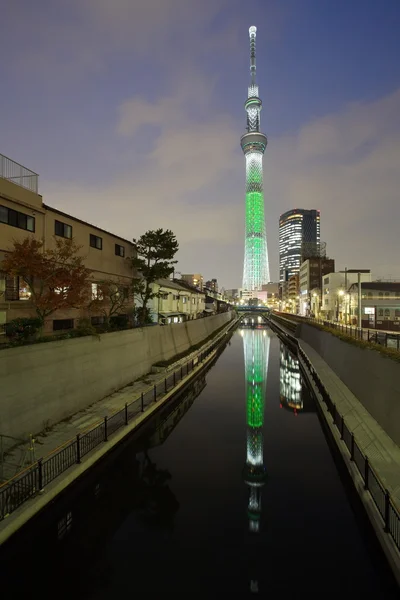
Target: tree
x=56 y=278
x=154 y=260
x=111 y=298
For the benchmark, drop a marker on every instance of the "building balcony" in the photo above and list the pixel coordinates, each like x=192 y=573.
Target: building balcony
x=16 y=173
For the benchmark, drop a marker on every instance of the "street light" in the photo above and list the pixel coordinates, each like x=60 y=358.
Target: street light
x=340 y=295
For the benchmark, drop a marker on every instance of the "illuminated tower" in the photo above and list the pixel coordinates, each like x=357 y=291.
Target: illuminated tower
x=256 y=354
x=253 y=143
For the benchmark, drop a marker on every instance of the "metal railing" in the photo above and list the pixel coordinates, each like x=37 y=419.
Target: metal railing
x=29 y=482
x=372 y=483
x=376 y=336
x=13 y=171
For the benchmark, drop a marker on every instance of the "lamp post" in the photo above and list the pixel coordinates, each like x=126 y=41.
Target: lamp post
x=340 y=295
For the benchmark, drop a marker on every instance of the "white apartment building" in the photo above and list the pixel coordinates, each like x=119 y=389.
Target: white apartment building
x=175 y=303
x=335 y=293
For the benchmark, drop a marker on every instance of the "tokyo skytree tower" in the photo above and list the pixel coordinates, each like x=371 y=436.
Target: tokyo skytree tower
x=253 y=143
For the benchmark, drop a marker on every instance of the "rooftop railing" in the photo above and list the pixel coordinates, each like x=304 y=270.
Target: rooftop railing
x=13 y=171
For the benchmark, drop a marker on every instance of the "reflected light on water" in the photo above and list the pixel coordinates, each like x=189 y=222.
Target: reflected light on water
x=256 y=356
x=290 y=381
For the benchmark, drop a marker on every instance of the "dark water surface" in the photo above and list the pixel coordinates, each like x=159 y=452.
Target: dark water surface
x=240 y=495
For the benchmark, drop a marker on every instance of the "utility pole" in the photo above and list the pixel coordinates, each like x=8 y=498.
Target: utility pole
x=346 y=296
x=359 y=301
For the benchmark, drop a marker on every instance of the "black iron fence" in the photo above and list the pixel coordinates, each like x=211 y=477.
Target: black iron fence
x=37 y=476
x=380 y=495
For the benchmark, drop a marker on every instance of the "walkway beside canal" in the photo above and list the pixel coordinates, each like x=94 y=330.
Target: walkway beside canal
x=66 y=431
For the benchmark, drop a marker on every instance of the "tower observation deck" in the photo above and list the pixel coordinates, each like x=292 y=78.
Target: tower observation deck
x=254 y=143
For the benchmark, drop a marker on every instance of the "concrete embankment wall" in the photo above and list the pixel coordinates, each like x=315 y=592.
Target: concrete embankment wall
x=42 y=384
x=373 y=378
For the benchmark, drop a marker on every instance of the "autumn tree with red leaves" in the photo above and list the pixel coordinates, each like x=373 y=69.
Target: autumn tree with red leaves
x=56 y=278
x=111 y=298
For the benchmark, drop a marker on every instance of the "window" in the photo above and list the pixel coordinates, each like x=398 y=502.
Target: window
x=16 y=219
x=59 y=324
x=387 y=293
x=380 y=312
x=397 y=312
x=164 y=296
x=184 y=299
x=62 y=229
x=13 y=288
x=387 y=312
x=380 y=294
x=97 y=320
x=96 y=242
x=119 y=250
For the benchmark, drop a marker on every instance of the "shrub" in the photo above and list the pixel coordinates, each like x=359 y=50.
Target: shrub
x=85 y=327
x=23 y=328
x=119 y=321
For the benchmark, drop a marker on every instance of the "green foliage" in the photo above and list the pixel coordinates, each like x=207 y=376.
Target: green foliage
x=23 y=328
x=85 y=327
x=155 y=259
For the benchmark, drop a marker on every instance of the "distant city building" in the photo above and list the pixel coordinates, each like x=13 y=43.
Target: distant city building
x=310 y=282
x=194 y=279
x=212 y=285
x=290 y=294
x=380 y=305
x=232 y=295
x=335 y=296
x=299 y=233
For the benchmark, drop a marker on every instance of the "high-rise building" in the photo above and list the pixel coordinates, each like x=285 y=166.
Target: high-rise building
x=298 y=229
x=254 y=143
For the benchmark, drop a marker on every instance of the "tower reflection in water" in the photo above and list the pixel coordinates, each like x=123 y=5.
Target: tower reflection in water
x=291 y=396
x=256 y=344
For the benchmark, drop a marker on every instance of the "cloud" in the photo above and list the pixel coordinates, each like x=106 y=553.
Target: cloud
x=348 y=166
x=191 y=179
x=82 y=37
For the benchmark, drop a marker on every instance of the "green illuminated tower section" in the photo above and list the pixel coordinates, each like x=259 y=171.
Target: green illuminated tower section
x=256 y=355
x=254 y=143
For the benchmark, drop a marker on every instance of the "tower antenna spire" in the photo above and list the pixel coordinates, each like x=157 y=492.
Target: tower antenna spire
x=253 y=67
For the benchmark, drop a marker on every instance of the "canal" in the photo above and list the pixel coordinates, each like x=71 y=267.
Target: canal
x=232 y=490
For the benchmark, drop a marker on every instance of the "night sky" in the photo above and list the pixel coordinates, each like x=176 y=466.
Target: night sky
x=131 y=111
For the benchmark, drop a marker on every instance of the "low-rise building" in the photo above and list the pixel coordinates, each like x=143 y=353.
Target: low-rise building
x=380 y=305
x=176 y=302
x=289 y=290
x=310 y=282
x=23 y=214
x=335 y=296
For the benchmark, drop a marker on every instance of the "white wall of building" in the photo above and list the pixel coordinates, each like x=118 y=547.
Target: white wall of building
x=335 y=296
